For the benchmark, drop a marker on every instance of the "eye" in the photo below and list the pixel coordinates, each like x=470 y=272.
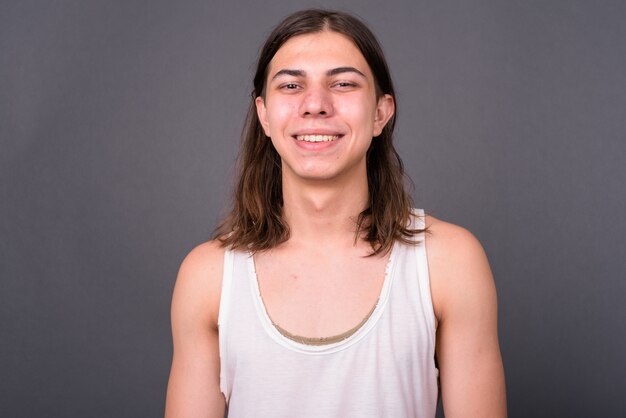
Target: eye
x=344 y=84
x=289 y=86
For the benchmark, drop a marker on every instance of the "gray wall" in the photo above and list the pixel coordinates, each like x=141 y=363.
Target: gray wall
x=119 y=125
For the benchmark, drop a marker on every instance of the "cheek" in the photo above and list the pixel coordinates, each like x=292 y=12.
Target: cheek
x=279 y=114
x=354 y=110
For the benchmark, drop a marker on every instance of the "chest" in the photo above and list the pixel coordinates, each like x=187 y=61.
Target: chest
x=319 y=294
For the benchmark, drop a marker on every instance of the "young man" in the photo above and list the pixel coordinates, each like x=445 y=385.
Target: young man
x=324 y=294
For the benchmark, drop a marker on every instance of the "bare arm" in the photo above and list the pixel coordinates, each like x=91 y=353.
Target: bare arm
x=464 y=296
x=193 y=390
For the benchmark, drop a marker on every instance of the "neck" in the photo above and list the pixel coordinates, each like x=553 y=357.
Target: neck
x=322 y=213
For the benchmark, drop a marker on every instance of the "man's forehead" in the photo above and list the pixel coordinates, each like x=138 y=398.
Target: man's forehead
x=327 y=52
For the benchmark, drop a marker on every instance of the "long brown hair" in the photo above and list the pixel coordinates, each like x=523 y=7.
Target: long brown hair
x=256 y=220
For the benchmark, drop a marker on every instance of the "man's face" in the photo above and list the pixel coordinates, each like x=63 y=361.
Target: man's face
x=320 y=108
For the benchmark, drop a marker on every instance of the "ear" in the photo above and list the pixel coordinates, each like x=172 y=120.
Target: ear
x=384 y=111
x=261 y=112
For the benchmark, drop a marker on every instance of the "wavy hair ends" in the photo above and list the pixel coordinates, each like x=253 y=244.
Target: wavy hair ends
x=255 y=221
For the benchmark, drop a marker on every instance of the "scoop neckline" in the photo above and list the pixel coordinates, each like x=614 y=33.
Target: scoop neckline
x=292 y=345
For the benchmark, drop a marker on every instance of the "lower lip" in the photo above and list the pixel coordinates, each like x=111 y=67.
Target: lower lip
x=317 y=146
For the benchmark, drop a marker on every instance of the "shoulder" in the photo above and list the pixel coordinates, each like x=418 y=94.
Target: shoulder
x=452 y=242
x=460 y=275
x=198 y=285
x=204 y=257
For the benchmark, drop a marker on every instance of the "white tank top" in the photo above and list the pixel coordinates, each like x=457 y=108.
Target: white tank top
x=385 y=369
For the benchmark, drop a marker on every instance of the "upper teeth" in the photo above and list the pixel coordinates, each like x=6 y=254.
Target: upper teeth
x=317 y=138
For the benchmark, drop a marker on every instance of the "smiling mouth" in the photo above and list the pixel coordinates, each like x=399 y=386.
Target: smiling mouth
x=317 y=138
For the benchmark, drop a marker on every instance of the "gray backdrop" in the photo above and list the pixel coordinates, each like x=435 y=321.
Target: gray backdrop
x=119 y=125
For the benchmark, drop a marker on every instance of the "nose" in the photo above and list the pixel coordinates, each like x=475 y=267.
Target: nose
x=316 y=102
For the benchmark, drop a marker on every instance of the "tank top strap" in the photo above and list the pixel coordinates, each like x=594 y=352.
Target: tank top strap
x=227 y=279
x=423 y=274
x=418 y=220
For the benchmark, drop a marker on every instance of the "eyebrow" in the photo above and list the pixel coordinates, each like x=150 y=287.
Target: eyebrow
x=329 y=73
